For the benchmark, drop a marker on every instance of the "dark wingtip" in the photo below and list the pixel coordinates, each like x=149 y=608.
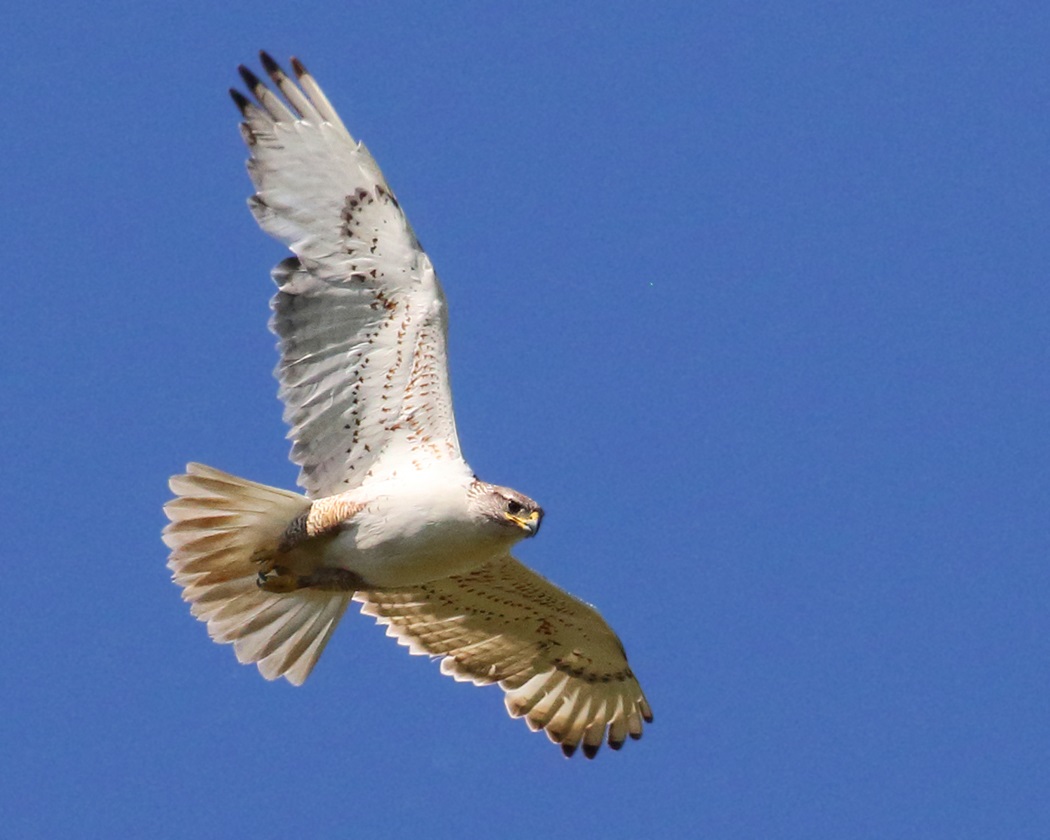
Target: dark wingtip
x=269 y=65
x=250 y=79
x=616 y=745
x=591 y=750
x=240 y=100
x=635 y=735
x=568 y=750
x=647 y=716
x=298 y=67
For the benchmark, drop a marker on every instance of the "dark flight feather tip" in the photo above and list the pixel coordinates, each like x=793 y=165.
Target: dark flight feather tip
x=269 y=65
x=240 y=100
x=250 y=79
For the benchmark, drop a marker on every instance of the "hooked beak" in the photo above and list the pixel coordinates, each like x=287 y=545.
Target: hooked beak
x=528 y=522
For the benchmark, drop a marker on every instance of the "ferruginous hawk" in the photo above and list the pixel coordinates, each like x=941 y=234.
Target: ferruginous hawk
x=392 y=517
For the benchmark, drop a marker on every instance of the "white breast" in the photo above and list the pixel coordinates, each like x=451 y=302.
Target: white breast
x=414 y=532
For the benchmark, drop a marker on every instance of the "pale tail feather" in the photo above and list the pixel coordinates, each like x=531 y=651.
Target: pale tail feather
x=219 y=522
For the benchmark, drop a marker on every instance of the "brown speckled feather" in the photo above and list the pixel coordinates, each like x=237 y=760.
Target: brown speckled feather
x=560 y=664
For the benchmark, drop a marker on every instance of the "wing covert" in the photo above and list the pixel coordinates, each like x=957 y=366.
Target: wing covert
x=560 y=665
x=359 y=313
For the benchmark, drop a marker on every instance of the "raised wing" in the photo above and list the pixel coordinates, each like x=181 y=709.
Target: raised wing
x=561 y=666
x=359 y=313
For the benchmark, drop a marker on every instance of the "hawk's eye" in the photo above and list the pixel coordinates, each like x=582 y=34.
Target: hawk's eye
x=513 y=507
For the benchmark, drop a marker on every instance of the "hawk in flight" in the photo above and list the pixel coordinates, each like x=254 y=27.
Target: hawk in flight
x=393 y=517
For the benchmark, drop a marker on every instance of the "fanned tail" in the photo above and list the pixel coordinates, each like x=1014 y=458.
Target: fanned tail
x=220 y=525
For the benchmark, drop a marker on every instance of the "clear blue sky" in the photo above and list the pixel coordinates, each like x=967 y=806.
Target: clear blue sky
x=753 y=298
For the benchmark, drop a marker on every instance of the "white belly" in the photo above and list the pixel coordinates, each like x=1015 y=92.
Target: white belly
x=432 y=553
x=407 y=540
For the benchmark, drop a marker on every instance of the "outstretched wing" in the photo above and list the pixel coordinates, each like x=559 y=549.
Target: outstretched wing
x=561 y=666
x=359 y=313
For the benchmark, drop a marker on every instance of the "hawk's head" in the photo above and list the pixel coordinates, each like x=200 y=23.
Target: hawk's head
x=506 y=508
